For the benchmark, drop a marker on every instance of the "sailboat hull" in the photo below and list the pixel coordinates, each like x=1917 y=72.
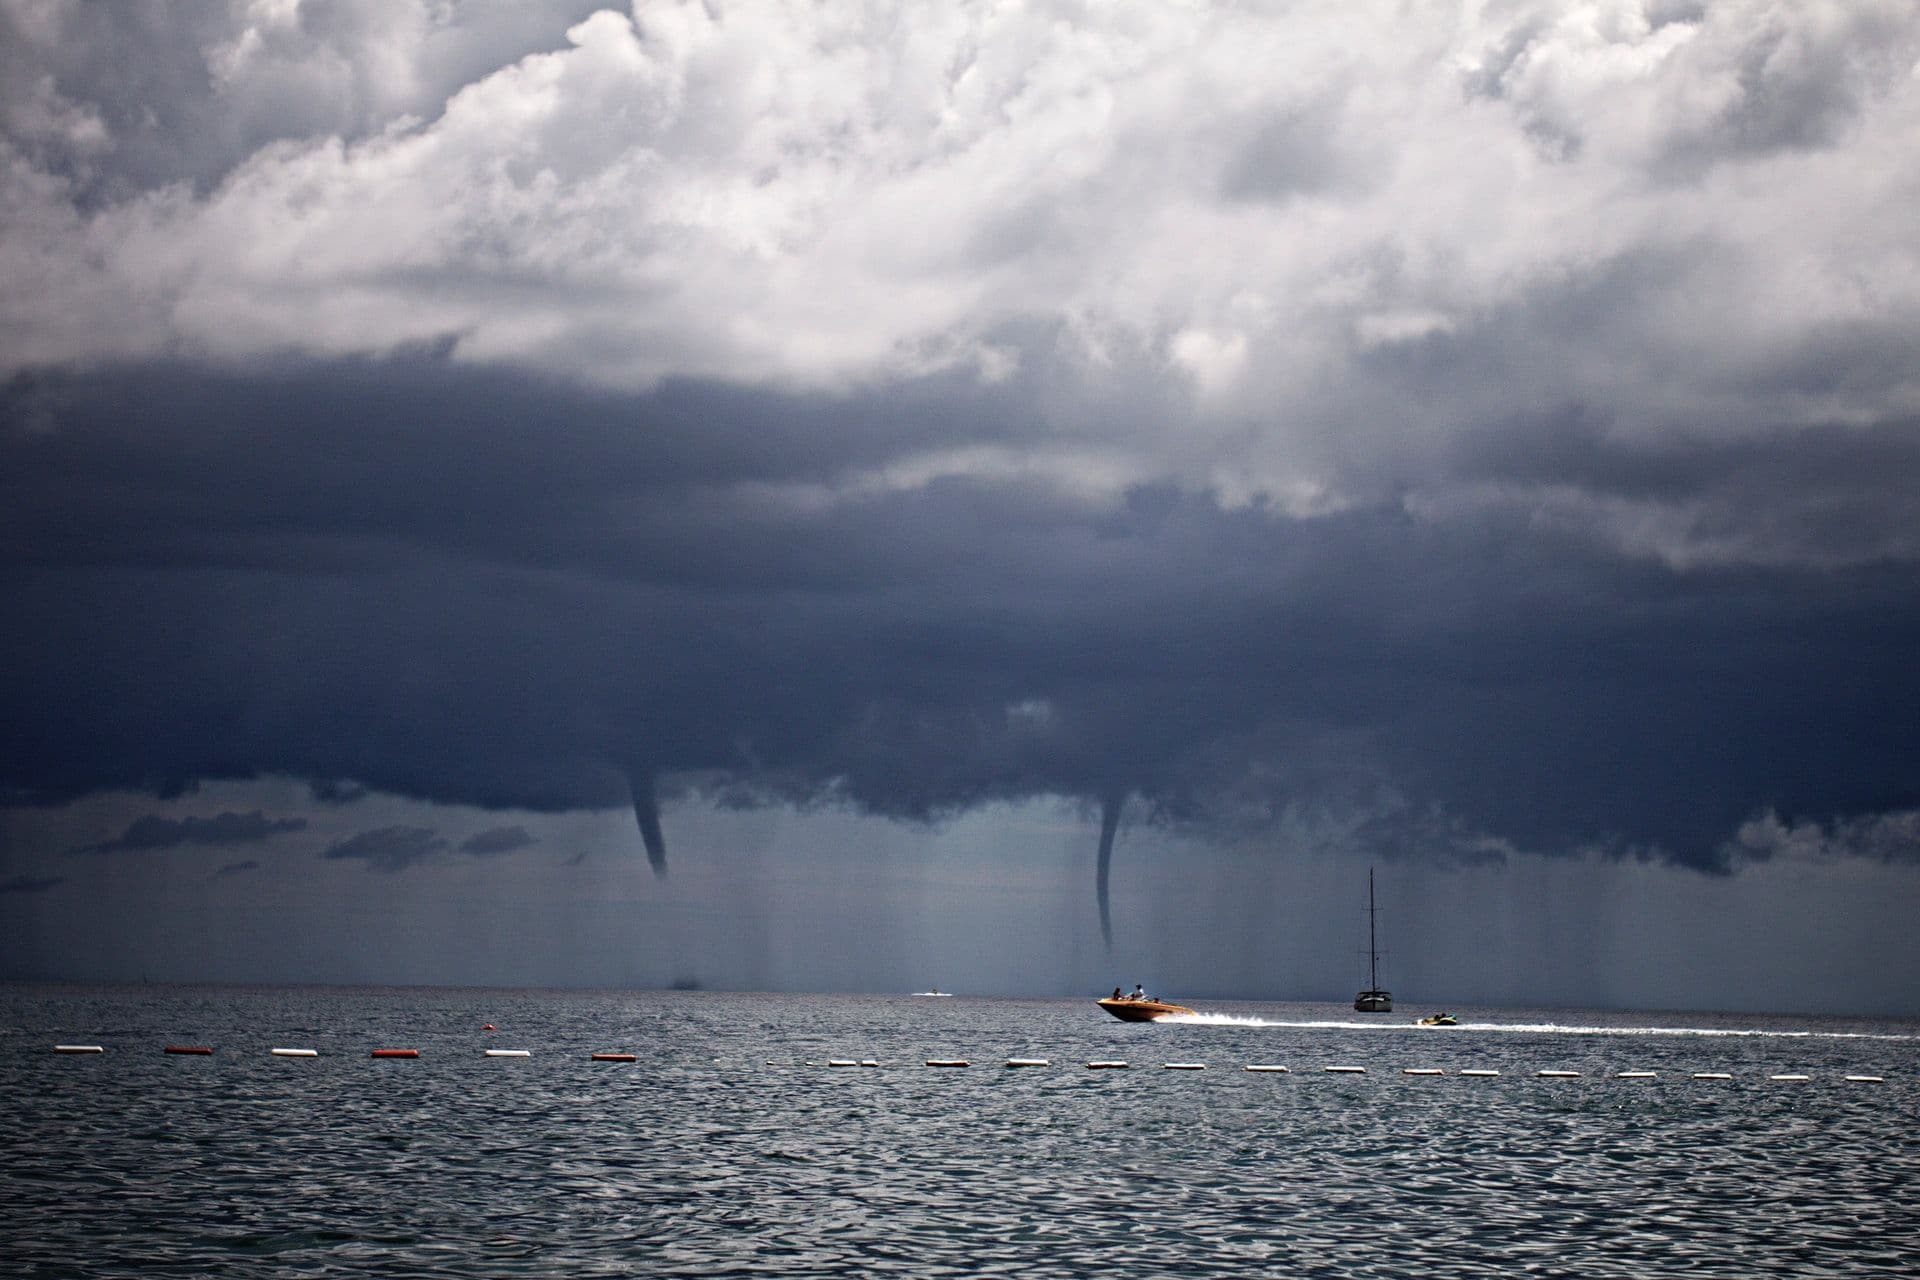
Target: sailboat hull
x=1373 y=1002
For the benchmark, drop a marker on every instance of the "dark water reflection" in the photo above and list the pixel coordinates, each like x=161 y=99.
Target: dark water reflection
x=722 y=1152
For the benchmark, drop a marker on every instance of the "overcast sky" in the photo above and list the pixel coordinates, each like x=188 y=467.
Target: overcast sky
x=882 y=464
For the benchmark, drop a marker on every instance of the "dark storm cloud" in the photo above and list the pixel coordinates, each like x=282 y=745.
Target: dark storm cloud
x=30 y=884
x=154 y=832
x=497 y=840
x=388 y=848
x=636 y=605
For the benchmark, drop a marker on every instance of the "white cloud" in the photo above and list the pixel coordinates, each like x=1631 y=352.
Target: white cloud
x=1244 y=206
x=1884 y=837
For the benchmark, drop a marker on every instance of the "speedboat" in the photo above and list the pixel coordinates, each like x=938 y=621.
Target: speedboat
x=1131 y=1009
x=1438 y=1020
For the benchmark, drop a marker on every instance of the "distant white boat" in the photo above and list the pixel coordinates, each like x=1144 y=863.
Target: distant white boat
x=933 y=993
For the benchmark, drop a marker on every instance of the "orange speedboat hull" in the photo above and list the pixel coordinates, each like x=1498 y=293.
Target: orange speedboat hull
x=1140 y=1010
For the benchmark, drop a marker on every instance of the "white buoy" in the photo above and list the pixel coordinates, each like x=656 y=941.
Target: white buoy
x=294 y=1053
x=1866 y=1079
x=1183 y=1066
x=78 y=1048
x=1269 y=1067
x=1345 y=1071
x=1106 y=1066
x=1028 y=1062
x=869 y=1062
x=948 y=1062
x=1423 y=1071
x=843 y=1062
x=509 y=1053
x=1633 y=1075
x=1558 y=1075
x=1711 y=1075
x=1478 y=1071
x=1792 y=1075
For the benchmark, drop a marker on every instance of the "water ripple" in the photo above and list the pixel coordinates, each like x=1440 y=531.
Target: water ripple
x=721 y=1154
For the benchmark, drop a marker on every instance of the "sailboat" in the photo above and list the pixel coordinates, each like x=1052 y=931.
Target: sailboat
x=1373 y=999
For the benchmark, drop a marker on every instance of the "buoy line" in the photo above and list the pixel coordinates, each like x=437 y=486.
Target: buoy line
x=1346 y=1069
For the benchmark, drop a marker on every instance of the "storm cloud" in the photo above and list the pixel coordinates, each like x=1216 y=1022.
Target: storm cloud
x=30 y=884
x=388 y=848
x=1447 y=434
x=498 y=840
x=154 y=832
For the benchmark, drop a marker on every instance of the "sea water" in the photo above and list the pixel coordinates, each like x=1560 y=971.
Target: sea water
x=731 y=1148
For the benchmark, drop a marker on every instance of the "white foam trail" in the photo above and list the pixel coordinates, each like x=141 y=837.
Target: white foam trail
x=1530 y=1028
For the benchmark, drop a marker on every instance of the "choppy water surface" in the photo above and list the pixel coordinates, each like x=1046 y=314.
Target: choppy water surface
x=731 y=1149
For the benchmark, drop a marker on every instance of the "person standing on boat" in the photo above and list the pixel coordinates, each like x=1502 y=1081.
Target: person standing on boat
x=1139 y=992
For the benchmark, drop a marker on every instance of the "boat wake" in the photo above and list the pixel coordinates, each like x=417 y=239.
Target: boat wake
x=1230 y=1020
x=1203 y=1019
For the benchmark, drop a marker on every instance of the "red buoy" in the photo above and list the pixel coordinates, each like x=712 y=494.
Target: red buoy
x=199 y=1049
x=489 y=1027
x=396 y=1053
x=613 y=1057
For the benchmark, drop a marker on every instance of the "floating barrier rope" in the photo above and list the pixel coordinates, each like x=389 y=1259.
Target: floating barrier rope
x=1781 y=1077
